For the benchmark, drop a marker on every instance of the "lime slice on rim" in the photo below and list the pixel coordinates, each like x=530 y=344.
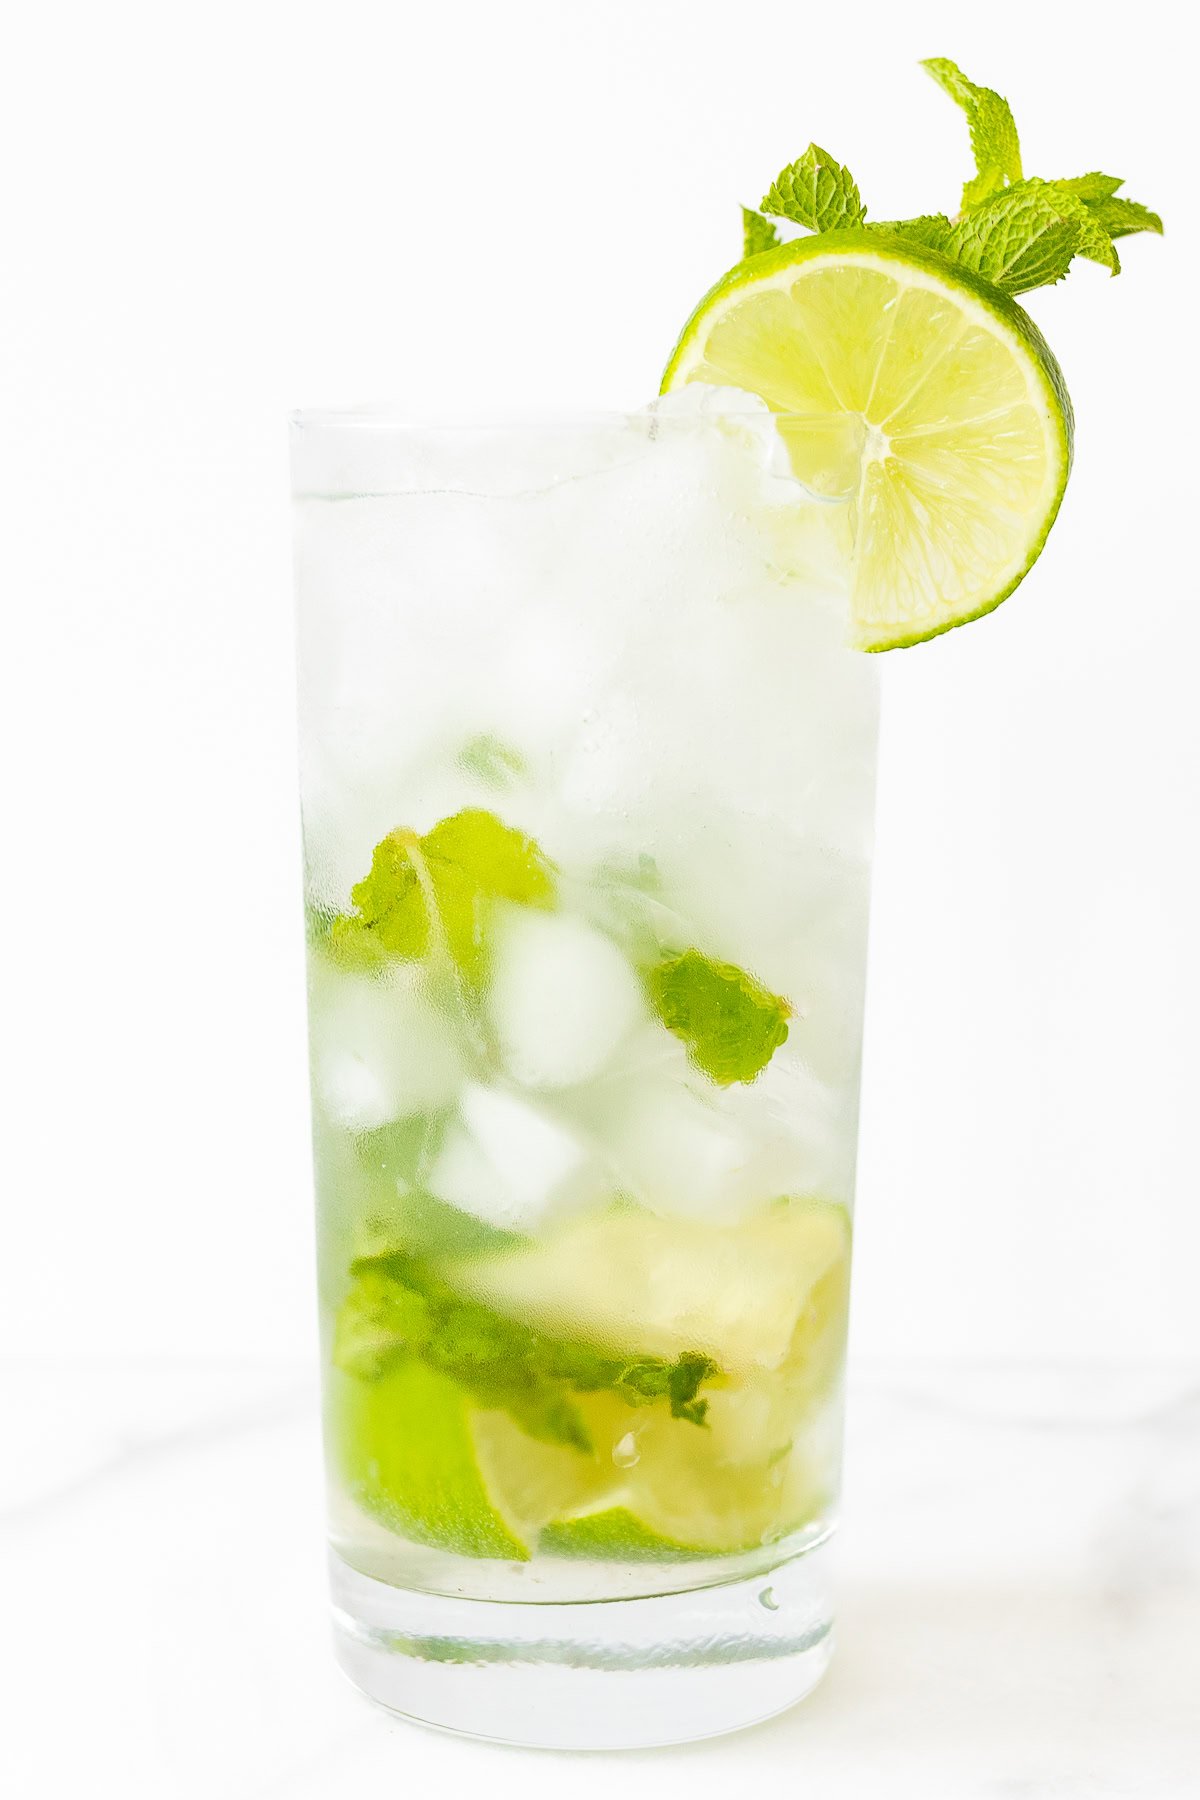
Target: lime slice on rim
x=920 y=394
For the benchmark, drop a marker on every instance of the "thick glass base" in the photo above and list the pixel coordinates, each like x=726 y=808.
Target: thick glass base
x=592 y=1675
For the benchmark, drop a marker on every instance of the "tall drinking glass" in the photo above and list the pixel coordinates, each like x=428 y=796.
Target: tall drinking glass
x=587 y=778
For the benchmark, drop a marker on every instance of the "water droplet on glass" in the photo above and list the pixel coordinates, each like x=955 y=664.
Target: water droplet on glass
x=625 y=1451
x=767 y=1599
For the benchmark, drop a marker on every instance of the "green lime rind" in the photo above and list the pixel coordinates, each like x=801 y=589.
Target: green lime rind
x=878 y=248
x=403 y=1447
x=1006 y=320
x=618 y=1535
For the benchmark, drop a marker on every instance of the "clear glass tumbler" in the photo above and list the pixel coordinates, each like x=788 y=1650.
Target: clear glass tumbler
x=587 y=780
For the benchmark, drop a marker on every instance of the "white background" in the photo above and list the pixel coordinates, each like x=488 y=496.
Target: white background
x=212 y=214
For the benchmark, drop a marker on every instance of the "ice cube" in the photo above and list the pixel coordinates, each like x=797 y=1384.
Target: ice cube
x=741 y=415
x=684 y=1148
x=804 y=1130
x=381 y=1049
x=562 y=998
x=677 y=1155
x=601 y=766
x=512 y=1164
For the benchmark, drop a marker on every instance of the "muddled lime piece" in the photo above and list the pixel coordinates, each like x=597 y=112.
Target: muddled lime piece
x=403 y=1446
x=629 y=1280
x=755 y=1471
x=420 y=1454
x=663 y=1489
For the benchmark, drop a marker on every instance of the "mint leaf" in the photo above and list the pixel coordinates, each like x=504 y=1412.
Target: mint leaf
x=396 y=1212
x=678 y=1382
x=1119 y=217
x=1028 y=235
x=1090 y=187
x=817 y=192
x=376 y=1318
x=1016 y=232
x=428 y=1226
x=758 y=234
x=491 y=761
x=435 y=894
x=993 y=130
x=400 y=1155
x=344 y=939
x=399 y=1307
x=1091 y=239
x=931 y=229
x=1020 y=239
x=731 y=1024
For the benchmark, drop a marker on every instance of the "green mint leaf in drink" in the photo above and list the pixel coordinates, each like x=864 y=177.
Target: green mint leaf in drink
x=815 y=191
x=684 y=1381
x=731 y=1024
x=758 y=234
x=381 y=1177
x=398 y=1311
x=492 y=762
x=377 y=1322
x=994 y=140
x=434 y=895
x=398 y=1307
x=344 y=939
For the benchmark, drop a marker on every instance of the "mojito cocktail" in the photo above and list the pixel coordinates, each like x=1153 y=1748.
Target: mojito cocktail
x=588 y=773
x=588 y=737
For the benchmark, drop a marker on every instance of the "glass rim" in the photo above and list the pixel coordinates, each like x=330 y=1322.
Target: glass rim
x=390 y=416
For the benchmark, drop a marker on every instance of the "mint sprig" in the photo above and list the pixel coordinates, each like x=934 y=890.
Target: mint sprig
x=815 y=191
x=399 y=1307
x=993 y=130
x=435 y=895
x=1121 y=217
x=1091 y=187
x=1016 y=231
x=758 y=234
x=1027 y=237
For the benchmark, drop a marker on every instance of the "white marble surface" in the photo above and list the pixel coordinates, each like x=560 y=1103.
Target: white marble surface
x=1019 y=1617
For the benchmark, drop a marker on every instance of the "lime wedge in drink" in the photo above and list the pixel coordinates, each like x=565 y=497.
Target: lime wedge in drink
x=654 y=1486
x=405 y=1449
x=431 y=1461
x=919 y=393
x=748 y=1477
x=631 y=1281
x=657 y=1486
